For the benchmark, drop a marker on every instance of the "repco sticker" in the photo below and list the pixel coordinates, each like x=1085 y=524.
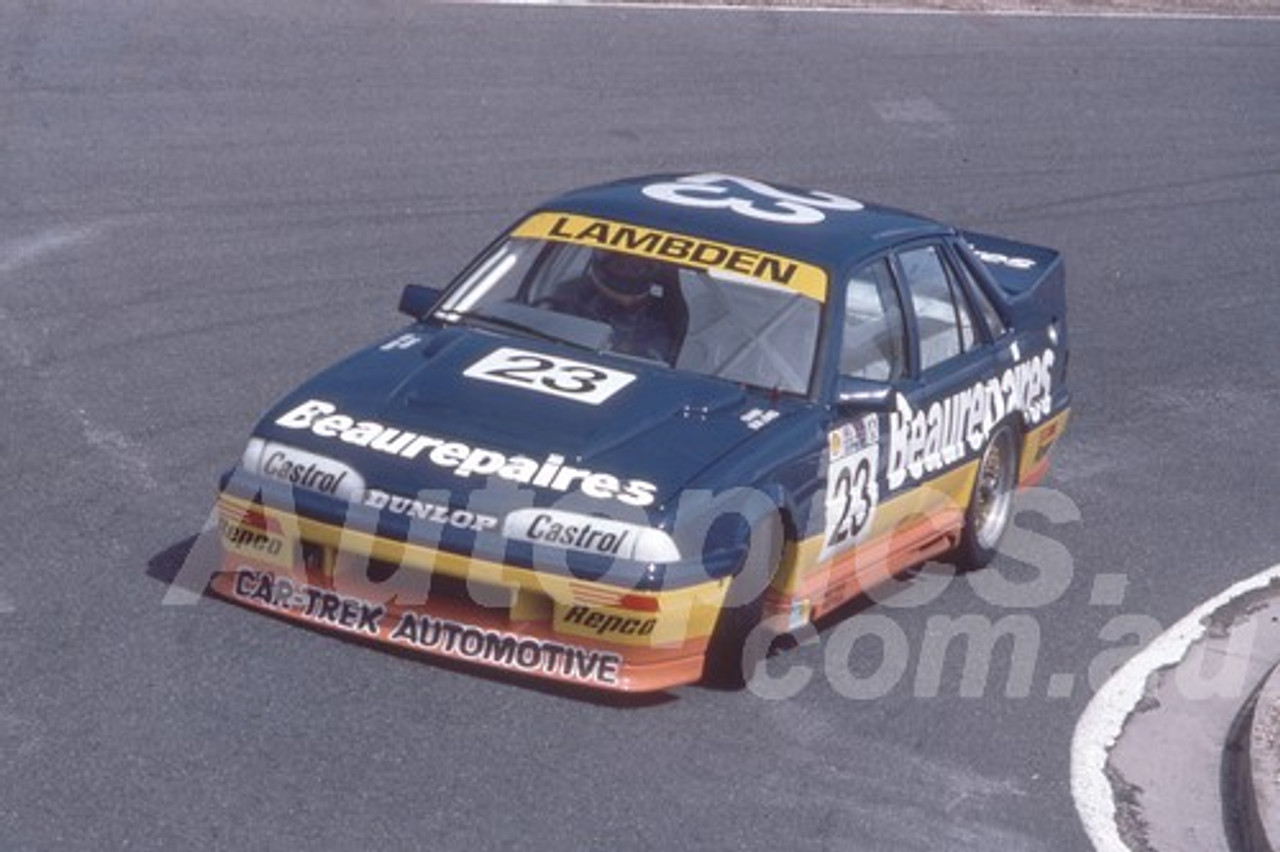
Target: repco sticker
x=254 y=543
x=602 y=623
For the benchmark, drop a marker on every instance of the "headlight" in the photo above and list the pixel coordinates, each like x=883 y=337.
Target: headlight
x=303 y=469
x=586 y=534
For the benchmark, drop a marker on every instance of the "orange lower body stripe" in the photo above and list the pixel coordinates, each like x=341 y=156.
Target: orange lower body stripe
x=463 y=632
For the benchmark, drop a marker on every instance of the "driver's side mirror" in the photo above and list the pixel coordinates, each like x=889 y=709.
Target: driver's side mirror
x=417 y=301
x=864 y=395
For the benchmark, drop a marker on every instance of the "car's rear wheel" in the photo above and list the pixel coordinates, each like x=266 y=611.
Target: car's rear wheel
x=991 y=503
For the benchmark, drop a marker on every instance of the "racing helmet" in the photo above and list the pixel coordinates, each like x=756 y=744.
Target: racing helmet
x=625 y=276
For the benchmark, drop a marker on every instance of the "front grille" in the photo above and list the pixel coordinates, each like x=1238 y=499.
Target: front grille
x=405 y=583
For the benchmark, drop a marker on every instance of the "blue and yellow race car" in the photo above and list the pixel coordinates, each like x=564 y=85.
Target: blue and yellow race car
x=653 y=422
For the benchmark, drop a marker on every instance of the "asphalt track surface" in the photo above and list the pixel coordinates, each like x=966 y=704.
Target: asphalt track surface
x=202 y=203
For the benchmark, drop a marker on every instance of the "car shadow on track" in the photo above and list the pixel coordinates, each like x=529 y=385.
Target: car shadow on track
x=187 y=565
x=166 y=565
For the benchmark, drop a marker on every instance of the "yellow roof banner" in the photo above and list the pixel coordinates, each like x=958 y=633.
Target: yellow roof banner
x=694 y=252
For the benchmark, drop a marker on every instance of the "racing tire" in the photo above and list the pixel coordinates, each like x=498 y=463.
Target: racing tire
x=737 y=647
x=991 y=503
x=730 y=660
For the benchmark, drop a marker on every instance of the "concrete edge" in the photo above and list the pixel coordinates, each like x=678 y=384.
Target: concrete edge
x=1260 y=778
x=1099 y=801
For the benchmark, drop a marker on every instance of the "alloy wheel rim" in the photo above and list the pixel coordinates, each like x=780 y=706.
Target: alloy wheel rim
x=994 y=492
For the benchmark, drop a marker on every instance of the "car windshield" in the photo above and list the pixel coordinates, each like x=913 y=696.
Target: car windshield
x=706 y=320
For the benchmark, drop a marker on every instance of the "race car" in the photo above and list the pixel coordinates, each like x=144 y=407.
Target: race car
x=653 y=425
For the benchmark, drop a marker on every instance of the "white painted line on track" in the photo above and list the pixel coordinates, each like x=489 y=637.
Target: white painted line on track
x=1107 y=14
x=15 y=254
x=1103 y=720
x=18 y=254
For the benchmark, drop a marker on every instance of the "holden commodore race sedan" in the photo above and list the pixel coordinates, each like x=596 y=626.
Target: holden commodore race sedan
x=652 y=426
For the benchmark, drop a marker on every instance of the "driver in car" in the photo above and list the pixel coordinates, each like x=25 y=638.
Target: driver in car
x=635 y=296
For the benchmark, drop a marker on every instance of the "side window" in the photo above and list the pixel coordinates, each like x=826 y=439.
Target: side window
x=937 y=321
x=989 y=313
x=873 y=343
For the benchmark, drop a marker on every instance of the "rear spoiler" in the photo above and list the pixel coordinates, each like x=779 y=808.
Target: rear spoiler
x=1016 y=267
x=1029 y=278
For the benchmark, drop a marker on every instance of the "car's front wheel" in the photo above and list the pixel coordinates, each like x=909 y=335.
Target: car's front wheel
x=742 y=638
x=991 y=503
